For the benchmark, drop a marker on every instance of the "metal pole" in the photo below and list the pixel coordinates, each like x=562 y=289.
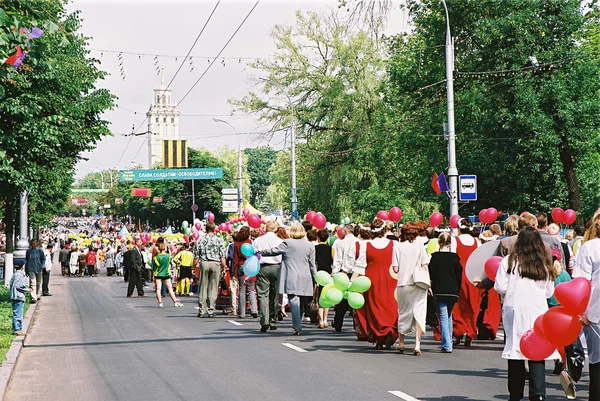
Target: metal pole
x=452 y=169
x=240 y=198
x=293 y=161
x=102 y=179
x=193 y=203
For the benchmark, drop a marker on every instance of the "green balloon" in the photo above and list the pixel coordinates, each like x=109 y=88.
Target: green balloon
x=187 y=231
x=185 y=224
x=341 y=281
x=334 y=296
x=346 y=293
x=356 y=300
x=360 y=284
x=324 y=304
x=347 y=220
x=323 y=278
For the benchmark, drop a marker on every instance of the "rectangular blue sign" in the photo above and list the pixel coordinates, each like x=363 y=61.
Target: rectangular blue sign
x=467 y=188
x=171 y=174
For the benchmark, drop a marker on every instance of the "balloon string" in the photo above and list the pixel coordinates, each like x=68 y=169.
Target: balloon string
x=595 y=332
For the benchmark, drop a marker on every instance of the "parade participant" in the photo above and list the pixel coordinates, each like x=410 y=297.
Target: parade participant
x=282 y=234
x=554 y=242
x=18 y=288
x=376 y=261
x=63 y=259
x=245 y=285
x=184 y=261
x=467 y=308
x=91 y=261
x=297 y=270
x=587 y=265
x=324 y=260
x=364 y=236
x=412 y=299
x=211 y=253
x=126 y=252
x=389 y=231
x=525 y=278
x=267 y=278
x=344 y=256
x=73 y=261
x=161 y=265
x=136 y=265
x=511 y=229
x=110 y=261
x=35 y=262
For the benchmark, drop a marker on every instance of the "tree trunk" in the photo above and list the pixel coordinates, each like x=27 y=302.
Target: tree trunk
x=10 y=226
x=566 y=158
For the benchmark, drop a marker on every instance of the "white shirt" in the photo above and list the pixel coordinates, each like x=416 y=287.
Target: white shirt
x=344 y=254
x=268 y=241
x=379 y=243
x=409 y=256
x=48 y=260
x=587 y=265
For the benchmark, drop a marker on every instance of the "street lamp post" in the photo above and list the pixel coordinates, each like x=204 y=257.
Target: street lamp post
x=240 y=205
x=452 y=169
x=292 y=147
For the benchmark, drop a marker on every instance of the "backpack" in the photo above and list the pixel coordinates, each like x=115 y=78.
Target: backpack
x=91 y=258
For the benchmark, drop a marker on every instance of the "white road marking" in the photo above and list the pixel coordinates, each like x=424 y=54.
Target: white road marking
x=292 y=346
x=500 y=335
x=402 y=395
x=197 y=307
x=235 y=323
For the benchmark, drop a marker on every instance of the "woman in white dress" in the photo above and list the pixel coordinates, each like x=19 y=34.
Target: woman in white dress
x=73 y=260
x=526 y=279
x=587 y=265
x=412 y=299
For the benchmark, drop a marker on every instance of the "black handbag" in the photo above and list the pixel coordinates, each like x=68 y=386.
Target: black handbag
x=575 y=359
x=314 y=304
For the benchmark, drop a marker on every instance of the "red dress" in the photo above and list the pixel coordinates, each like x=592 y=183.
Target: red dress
x=464 y=314
x=381 y=307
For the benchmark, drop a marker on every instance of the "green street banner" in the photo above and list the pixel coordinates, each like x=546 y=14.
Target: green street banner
x=171 y=174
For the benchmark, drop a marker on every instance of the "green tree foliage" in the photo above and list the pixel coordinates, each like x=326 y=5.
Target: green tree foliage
x=259 y=162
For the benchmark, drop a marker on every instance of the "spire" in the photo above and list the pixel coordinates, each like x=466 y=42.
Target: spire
x=162 y=77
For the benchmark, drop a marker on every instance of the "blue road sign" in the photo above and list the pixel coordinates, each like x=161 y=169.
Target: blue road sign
x=467 y=188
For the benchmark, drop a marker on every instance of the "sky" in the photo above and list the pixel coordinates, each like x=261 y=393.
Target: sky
x=154 y=31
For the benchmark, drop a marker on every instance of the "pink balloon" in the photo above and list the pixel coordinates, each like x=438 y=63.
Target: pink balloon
x=223 y=227
x=310 y=216
x=491 y=215
x=570 y=216
x=198 y=226
x=383 y=215
x=535 y=348
x=196 y=235
x=340 y=233
x=319 y=221
x=436 y=219
x=574 y=295
x=227 y=227
x=491 y=267
x=211 y=217
x=186 y=238
x=254 y=221
x=246 y=212
x=482 y=215
x=454 y=220
x=558 y=215
x=395 y=214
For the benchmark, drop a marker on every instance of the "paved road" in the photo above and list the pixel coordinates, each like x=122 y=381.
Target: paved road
x=89 y=342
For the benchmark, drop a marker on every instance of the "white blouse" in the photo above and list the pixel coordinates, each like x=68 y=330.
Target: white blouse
x=380 y=243
x=587 y=265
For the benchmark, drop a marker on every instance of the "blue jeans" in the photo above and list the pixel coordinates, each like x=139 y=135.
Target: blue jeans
x=295 y=308
x=445 y=310
x=17 y=318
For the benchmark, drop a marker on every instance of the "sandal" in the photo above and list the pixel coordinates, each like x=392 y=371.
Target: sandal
x=400 y=349
x=417 y=352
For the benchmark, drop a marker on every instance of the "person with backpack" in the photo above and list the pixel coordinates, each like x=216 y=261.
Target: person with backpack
x=91 y=261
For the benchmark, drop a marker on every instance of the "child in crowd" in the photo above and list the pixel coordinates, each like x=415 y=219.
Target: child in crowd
x=18 y=288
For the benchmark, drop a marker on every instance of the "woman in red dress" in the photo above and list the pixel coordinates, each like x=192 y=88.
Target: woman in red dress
x=465 y=312
x=381 y=308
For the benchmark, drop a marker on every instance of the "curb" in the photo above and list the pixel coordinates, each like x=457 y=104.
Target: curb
x=13 y=352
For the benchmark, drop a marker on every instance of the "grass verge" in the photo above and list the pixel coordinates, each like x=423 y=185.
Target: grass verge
x=6 y=335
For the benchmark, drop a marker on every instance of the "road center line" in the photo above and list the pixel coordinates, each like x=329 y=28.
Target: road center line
x=402 y=395
x=292 y=346
x=235 y=323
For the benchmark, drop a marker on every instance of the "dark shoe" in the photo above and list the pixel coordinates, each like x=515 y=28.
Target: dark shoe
x=468 y=341
x=33 y=301
x=457 y=340
x=297 y=332
x=280 y=315
x=558 y=367
x=263 y=329
x=337 y=330
x=129 y=295
x=47 y=295
x=273 y=327
x=388 y=341
x=254 y=315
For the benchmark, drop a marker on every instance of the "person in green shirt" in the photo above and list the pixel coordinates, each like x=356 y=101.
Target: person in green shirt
x=161 y=264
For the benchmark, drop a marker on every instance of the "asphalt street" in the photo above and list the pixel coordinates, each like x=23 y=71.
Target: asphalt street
x=89 y=342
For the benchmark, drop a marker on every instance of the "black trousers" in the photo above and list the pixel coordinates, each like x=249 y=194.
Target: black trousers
x=340 y=312
x=126 y=274
x=135 y=280
x=516 y=379
x=594 y=393
x=45 y=281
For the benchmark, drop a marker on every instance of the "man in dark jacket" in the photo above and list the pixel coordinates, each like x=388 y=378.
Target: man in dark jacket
x=35 y=262
x=126 y=262
x=63 y=258
x=135 y=271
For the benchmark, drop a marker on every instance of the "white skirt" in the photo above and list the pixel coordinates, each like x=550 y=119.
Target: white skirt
x=412 y=308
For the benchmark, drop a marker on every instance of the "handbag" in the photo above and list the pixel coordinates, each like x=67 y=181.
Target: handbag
x=421 y=278
x=314 y=304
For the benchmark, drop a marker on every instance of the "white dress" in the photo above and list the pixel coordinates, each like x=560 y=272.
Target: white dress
x=587 y=265
x=524 y=301
x=74 y=262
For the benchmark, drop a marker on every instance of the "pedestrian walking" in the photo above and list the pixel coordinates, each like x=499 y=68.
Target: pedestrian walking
x=245 y=285
x=161 y=265
x=73 y=261
x=344 y=257
x=136 y=265
x=91 y=261
x=324 y=260
x=18 y=289
x=35 y=262
x=210 y=251
x=63 y=259
x=46 y=270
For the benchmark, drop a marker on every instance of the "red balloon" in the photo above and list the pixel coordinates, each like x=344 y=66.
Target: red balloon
x=310 y=216
x=246 y=212
x=211 y=217
x=186 y=238
x=558 y=215
x=570 y=216
x=319 y=221
x=491 y=267
x=383 y=215
x=454 y=220
x=340 y=233
x=395 y=214
x=491 y=215
x=538 y=326
x=535 y=348
x=436 y=219
x=482 y=215
x=254 y=221
x=561 y=327
x=574 y=295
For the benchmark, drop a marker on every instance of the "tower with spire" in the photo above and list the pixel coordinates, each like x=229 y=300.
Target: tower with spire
x=163 y=121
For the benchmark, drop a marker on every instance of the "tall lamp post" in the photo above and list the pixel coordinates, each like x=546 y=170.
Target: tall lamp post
x=292 y=148
x=240 y=205
x=452 y=170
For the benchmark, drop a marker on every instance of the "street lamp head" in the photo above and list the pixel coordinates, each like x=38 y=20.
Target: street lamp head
x=218 y=120
x=264 y=79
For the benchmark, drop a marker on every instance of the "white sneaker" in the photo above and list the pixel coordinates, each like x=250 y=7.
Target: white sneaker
x=160 y=305
x=307 y=319
x=178 y=304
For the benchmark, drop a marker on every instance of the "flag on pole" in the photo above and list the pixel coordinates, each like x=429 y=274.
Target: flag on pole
x=435 y=185
x=442 y=183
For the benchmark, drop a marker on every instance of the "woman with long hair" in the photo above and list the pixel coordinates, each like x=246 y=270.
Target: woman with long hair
x=376 y=261
x=526 y=279
x=161 y=264
x=587 y=265
x=244 y=284
x=364 y=235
